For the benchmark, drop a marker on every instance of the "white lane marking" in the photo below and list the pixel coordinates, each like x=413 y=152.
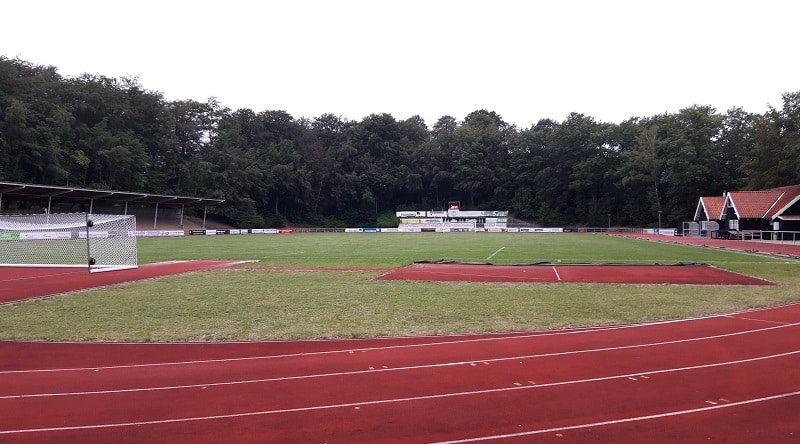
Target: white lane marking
x=493 y=254
x=623 y=420
x=407 y=399
x=512 y=336
x=558 y=276
x=419 y=367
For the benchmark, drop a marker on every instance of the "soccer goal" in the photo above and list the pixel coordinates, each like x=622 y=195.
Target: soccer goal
x=98 y=242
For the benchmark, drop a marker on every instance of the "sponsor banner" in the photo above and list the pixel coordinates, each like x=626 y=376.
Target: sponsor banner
x=461 y=213
x=197 y=232
x=352 y=230
x=512 y=230
x=541 y=230
x=441 y=214
x=390 y=230
x=411 y=214
x=264 y=231
x=409 y=221
x=94 y=235
x=36 y=235
x=409 y=230
x=125 y=234
x=161 y=233
x=495 y=222
x=371 y=230
x=662 y=231
x=285 y=230
x=9 y=236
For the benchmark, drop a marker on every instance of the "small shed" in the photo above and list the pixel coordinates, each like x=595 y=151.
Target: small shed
x=708 y=215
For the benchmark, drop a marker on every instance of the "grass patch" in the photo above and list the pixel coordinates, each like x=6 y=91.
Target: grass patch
x=258 y=304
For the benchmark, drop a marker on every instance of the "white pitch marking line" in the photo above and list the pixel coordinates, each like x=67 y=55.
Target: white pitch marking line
x=493 y=254
x=358 y=372
x=427 y=397
x=623 y=420
x=558 y=276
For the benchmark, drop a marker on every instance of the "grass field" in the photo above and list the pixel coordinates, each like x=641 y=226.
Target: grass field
x=252 y=304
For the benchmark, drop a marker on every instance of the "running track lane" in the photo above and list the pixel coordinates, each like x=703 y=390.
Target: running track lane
x=19 y=283
x=729 y=378
x=789 y=249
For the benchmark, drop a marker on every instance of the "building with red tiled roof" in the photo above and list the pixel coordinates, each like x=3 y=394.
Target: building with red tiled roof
x=776 y=209
x=709 y=208
x=707 y=217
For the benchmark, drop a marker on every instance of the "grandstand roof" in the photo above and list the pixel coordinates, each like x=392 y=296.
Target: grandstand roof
x=28 y=191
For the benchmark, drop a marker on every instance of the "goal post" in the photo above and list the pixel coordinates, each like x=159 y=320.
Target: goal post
x=98 y=242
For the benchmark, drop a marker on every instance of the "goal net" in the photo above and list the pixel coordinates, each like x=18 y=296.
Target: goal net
x=99 y=242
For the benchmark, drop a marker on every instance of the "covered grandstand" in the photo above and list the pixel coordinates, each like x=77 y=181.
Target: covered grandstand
x=152 y=210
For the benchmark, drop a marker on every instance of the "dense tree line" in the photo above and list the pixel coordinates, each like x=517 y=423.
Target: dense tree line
x=274 y=169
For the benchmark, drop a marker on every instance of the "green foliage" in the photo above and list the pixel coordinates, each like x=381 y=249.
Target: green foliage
x=274 y=169
x=387 y=219
x=775 y=157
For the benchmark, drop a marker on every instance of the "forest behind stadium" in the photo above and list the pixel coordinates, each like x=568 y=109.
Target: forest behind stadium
x=274 y=169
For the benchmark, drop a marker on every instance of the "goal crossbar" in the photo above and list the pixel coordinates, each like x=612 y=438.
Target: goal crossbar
x=98 y=242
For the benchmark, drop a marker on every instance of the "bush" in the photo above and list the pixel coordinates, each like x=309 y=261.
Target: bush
x=387 y=219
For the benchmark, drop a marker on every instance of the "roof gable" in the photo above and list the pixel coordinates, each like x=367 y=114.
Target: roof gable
x=709 y=208
x=713 y=206
x=791 y=195
x=752 y=204
x=764 y=204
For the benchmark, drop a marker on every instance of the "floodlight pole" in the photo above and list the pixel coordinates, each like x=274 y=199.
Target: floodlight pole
x=659 y=221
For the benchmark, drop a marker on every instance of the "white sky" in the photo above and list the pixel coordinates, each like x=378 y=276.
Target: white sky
x=525 y=60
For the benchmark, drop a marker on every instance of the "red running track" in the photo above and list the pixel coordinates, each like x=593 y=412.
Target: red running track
x=599 y=274
x=19 y=283
x=730 y=378
x=789 y=249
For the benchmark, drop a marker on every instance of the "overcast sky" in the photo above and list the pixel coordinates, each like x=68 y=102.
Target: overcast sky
x=525 y=60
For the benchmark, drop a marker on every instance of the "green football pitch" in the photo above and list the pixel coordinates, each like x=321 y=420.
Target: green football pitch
x=256 y=302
